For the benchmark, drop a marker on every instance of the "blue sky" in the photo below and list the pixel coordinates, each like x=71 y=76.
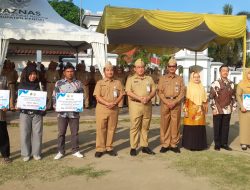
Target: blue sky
x=196 y=6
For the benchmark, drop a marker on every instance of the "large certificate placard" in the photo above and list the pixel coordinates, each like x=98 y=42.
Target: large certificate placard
x=246 y=101
x=69 y=102
x=31 y=100
x=4 y=99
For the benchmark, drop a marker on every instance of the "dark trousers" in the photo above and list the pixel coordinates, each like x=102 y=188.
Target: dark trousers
x=62 y=129
x=221 y=128
x=4 y=140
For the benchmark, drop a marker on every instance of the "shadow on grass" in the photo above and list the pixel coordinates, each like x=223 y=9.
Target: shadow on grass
x=43 y=171
x=226 y=171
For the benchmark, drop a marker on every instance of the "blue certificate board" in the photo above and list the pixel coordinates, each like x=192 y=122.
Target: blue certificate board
x=31 y=100
x=69 y=102
x=4 y=99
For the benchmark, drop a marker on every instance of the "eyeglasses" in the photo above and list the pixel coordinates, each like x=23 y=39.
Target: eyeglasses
x=173 y=66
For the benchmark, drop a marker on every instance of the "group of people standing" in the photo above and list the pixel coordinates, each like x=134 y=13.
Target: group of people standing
x=140 y=89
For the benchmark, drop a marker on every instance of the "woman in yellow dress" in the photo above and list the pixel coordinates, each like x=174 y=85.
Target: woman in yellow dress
x=244 y=114
x=195 y=107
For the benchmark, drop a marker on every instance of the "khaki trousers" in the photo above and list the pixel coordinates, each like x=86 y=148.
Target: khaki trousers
x=50 y=89
x=140 y=116
x=170 y=126
x=12 y=88
x=86 y=96
x=155 y=99
x=106 y=123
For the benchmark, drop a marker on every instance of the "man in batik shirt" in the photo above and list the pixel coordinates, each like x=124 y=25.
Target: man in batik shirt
x=68 y=85
x=223 y=103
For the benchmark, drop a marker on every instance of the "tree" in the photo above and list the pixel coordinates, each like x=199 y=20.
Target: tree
x=67 y=9
x=229 y=53
x=228 y=9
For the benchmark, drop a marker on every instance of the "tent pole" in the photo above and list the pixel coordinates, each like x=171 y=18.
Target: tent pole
x=195 y=62
x=92 y=57
x=244 y=50
x=106 y=46
x=77 y=58
x=81 y=14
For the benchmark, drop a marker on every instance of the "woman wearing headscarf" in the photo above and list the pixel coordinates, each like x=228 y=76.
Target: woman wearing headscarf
x=244 y=115
x=31 y=121
x=195 y=107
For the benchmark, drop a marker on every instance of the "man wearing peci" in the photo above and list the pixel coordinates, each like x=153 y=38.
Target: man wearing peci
x=171 y=91
x=140 y=90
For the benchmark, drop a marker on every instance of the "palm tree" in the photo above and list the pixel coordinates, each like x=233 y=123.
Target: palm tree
x=228 y=53
x=228 y=9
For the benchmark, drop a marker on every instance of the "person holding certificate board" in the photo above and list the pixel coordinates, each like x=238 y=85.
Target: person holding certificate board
x=32 y=105
x=243 y=98
x=68 y=102
x=4 y=136
x=108 y=93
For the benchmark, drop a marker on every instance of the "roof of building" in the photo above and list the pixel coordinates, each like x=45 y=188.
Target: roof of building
x=44 y=52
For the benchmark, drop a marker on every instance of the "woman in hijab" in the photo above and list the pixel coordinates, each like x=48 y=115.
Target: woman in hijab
x=244 y=114
x=31 y=121
x=195 y=107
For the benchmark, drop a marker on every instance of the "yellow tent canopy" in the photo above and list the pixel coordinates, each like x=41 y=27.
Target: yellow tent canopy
x=165 y=32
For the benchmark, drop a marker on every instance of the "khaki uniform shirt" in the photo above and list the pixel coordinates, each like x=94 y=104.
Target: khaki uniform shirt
x=12 y=76
x=121 y=78
x=172 y=88
x=109 y=90
x=141 y=86
x=97 y=76
x=83 y=76
x=52 y=76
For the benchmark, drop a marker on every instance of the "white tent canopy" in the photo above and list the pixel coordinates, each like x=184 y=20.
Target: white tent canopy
x=34 y=22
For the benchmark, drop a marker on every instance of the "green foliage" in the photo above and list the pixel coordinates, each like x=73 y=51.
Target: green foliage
x=228 y=53
x=121 y=61
x=248 y=61
x=164 y=61
x=228 y=9
x=67 y=9
x=142 y=54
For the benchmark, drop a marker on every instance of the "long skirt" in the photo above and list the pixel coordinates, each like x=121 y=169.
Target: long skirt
x=194 y=137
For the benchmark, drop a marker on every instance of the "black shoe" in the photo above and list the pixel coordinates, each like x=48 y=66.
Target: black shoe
x=7 y=160
x=147 y=151
x=226 y=147
x=164 y=149
x=133 y=152
x=98 y=154
x=217 y=147
x=244 y=147
x=111 y=153
x=175 y=149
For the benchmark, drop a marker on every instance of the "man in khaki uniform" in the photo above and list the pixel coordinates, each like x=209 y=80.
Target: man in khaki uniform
x=83 y=76
x=108 y=93
x=92 y=84
x=51 y=76
x=156 y=76
x=11 y=75
x=171 y=90
x=140 y=90
x=98 y=76
x=122 y=78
